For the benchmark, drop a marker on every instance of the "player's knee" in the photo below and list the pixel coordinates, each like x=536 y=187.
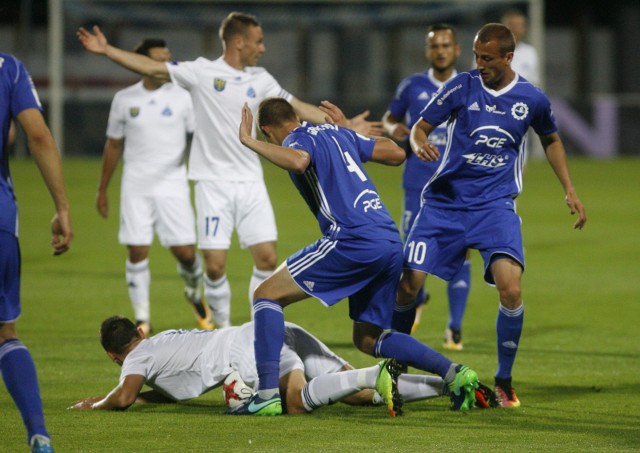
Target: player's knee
x=511 y=296
x=7 y=331
x=266 y=262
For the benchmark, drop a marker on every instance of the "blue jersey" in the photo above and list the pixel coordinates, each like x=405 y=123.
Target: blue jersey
x=17 y=93
x=411 y=96
x=482 y=163
x=336 y=187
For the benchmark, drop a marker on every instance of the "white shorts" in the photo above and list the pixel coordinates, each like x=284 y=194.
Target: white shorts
x=222 y=206
x=171 y=217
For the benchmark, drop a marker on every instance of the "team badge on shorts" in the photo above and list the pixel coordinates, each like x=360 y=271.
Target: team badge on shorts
x=134 y=111
x=219 y=84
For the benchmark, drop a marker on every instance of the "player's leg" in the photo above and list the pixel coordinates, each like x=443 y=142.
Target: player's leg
x=257 y=231
x=276 y=292
x=215 y=208
x=264 y=258
x=175 y=227
x=507 y=274
x=137 y=217
x=458 y=292
x=404 y=313
x=138 y=278
x=217 y=290
x=16 y=364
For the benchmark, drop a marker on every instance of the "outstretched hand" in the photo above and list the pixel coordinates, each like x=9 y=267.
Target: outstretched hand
x=358 y=123
x=85 y=404
x=95 y=43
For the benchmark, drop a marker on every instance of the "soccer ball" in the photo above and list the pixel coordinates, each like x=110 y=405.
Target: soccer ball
x=235 y=391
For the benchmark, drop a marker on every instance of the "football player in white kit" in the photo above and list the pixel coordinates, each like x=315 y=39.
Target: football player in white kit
x=148 y=127
x=183 y=364
x=229 y=186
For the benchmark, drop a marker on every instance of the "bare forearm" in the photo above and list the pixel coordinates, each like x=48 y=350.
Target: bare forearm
x=110 y=158
x=46 y=156
x=138 y=63
x=286 y=158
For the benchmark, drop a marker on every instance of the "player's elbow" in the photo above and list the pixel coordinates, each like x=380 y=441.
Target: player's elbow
x=387 y=152
x=301 y=163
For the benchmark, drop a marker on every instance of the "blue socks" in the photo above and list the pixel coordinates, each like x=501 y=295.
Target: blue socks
x=269 y=338
x=508 y=329
x=406 y=349
x=458 y=292
x=19 y=374
x=403 y=317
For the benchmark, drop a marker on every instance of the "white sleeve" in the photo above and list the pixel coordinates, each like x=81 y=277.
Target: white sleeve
x=117 y=119
x=275 y=90
x=138 y=364
x=183 y=74
x=190 y=120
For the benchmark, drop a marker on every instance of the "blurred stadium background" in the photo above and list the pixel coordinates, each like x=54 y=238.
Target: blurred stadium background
x=350 y=51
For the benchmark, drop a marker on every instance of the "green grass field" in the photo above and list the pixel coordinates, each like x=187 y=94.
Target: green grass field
x=577 y=372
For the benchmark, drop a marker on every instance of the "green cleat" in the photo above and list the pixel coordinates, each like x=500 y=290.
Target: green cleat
x=387 y=385
x=463 y=389
x=257 y=406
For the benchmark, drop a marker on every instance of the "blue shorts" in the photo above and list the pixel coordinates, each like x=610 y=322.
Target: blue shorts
x=412 y=199
x=367 y=272
x=439 y=240
x=9 y=277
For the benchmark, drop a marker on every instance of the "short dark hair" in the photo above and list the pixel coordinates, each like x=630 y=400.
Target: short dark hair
x=499 y=33
x=443 y=27
x=143 y=46
x=236 y=24
x=117 y=333
x=275 y=112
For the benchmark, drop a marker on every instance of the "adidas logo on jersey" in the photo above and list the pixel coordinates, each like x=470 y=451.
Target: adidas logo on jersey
x=475 y=107
x=424 y=95
x=309 y=284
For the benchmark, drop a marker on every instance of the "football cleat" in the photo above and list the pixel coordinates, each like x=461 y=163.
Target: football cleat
x=485 y=397
x=145 y=326
x=462 y=390
x=452 y=340
x=257 y=406
x=506 y=395
x=200 y=309
x=40 y=444
x=387 y=385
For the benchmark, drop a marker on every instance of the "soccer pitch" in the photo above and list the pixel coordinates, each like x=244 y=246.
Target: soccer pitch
x=577 y=371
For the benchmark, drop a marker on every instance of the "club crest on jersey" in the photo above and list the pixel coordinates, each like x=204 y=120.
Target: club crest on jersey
x=519 y=110
x=219 y=84
x=167 y=111
x=251 y=92
x=134 y=111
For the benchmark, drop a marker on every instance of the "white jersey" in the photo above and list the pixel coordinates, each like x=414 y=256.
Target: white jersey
x=525 y=62
x=218 y=92
x=154 y=125
x=184 y=364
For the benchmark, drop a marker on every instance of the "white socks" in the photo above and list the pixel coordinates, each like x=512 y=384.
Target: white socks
x=257 y=277
x=218 y=296
x=138 y=282
x=330 y=388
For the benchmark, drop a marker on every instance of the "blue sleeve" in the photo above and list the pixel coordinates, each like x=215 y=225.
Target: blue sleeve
x=543 y=122
x=399 y=104
x=24 y=92
x=301 y=141
x=446 y=101
x=363 y=145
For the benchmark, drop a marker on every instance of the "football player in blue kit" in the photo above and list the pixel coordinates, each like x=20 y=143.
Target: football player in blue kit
x=19 y=101
x=359 y=256
x=470 y=200
x=413 y=93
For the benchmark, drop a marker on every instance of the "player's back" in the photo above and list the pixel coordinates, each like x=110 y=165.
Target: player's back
x=336 y=187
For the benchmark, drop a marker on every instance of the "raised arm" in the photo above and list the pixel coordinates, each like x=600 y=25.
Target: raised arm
x=295 y=160
x=110 y=157
x=557 y=157
x=97 y=43
x=331 y=113
x=420 y=143
x=47 y=157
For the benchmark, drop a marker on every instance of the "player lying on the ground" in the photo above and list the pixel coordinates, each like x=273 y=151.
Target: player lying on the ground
x=184 y=364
